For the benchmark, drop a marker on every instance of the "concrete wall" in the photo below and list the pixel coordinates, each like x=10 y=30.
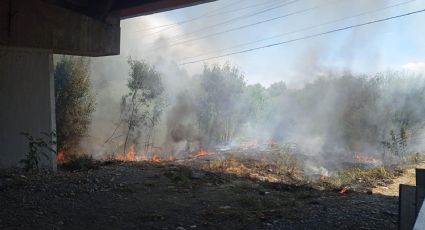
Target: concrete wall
x=36 y=24
x=26 y=101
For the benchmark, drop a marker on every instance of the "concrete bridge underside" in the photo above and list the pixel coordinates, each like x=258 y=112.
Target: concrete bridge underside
x=30 y=32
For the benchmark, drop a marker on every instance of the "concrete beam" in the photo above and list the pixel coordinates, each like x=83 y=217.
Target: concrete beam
x=36 y=24
x=27 y=102
x=134 y=8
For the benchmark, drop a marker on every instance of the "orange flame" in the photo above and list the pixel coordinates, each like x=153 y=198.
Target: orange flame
x=60 y=156
x=155 y=158
x=343 y=190
x=201 y=153
x=171 y=157
x=129 y=156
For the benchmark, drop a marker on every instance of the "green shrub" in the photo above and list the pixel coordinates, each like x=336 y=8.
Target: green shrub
x=79 y=162
x=40 y=146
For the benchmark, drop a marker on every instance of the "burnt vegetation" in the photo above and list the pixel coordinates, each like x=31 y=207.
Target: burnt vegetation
x=220 y=153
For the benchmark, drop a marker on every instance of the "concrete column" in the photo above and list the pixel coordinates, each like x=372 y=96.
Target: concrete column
x=26 y=101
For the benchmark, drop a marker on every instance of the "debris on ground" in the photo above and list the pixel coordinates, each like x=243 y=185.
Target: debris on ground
x=143 y=195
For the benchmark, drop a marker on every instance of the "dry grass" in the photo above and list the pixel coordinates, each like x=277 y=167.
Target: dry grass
x=276 y=167
x=369 y=177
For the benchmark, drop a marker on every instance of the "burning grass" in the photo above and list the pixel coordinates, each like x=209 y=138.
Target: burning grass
x=261 y=169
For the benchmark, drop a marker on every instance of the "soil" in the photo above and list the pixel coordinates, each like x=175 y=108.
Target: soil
x=141 y=195
x=408 y=178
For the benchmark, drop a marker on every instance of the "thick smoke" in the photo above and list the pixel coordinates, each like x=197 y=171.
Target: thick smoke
x=180 y=128
x=325 y=111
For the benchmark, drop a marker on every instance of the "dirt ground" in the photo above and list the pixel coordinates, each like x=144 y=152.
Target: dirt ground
x=126 y=195
x=409 y=177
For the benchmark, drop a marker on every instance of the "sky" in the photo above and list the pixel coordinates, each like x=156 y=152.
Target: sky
x=397 y=44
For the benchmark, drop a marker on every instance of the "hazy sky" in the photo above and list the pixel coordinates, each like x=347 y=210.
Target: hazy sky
x=395 y=44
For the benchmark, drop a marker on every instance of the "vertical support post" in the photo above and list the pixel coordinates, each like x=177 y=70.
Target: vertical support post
x=420 y=189
x=407 y=207
x=27 y=102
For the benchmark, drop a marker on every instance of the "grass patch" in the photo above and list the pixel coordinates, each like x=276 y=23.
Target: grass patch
x=367 y=176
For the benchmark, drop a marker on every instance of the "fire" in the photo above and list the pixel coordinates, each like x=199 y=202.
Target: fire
x=343 y=190
x=60 y=156
x=129 y=156
x=155 y=158
x=171 y=157
x=201 y=153
x=132 y=155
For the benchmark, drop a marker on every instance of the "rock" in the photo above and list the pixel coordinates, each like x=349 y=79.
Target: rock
x=180 y=228
x=225 y=207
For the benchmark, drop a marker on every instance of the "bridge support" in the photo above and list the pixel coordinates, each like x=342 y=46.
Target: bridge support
x=26 y=101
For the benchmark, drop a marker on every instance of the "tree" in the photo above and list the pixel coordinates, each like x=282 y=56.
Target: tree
x=220 y=103
x=255 y=102
x=75 y=102
x=143 y=105
x=277 y=88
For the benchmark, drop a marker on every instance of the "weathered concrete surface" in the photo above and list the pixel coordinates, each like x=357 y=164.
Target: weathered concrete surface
x=129 y=9
x=36 y=24
x=26 y=101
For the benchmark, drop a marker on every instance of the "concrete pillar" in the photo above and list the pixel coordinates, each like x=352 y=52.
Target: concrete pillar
x=26 y=101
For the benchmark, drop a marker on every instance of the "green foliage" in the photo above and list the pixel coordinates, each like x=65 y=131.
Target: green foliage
x=350 y=113
x=142 y=106
x=219 y=109
x=277 y=89
x=38 y=147
x=79 y=162
x=256 y=101
x=75 y=102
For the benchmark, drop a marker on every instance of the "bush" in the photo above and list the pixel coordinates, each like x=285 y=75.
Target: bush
x=74 y=101
x=79 y=162
x=38 y=147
